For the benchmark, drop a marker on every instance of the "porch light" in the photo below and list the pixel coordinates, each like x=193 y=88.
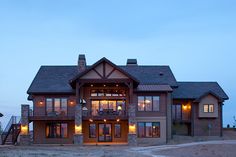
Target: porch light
x=118 y=120
x=78 y=129
x=119 y=108
x=40 y=102
x=117 y=85
x=91 y=85
x=24 y=129
x=104 y=120
x=132 y=128
x=71 y=102
x=184 y=107
x=90 y=120
x=104 y=85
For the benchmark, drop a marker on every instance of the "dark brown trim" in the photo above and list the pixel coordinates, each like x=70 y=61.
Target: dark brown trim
x=97 y=73
x=109 y=74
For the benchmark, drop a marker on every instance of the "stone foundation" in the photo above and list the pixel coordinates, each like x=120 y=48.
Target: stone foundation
x=78 y=139
x=132 y=139
x=24 y=140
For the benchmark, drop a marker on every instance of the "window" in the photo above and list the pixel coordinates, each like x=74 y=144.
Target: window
x=56 y=106
x=148 y=129
x=141 y=104
x=208 y=108
x=92 y=130
x=117 y=131
x=114 y=105
x=148 y=103
x=49 y=105
x=156 y=103
x=56 y=130
x=141 y=129
x=109 y=93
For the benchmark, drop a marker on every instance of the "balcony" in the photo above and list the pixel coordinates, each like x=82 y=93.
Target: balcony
x=53 y=115
x=104 y=114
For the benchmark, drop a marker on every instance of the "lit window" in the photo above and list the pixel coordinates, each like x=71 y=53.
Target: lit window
x=208 y=108
x=141 y=104
x=148 y=103
x=56 y=130
x=148 y=129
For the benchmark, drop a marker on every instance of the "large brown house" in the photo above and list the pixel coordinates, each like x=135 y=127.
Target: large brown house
x=128 y=104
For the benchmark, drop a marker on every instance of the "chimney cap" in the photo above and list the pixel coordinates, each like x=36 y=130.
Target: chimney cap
x=132 y=62
x=82 y=57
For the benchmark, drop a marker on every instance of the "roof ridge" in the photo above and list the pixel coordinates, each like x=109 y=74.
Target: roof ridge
x=197 y=82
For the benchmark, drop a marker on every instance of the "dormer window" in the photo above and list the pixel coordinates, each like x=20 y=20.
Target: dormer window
x=208 y=108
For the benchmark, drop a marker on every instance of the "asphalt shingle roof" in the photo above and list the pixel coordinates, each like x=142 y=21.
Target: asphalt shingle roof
x=194 y=90
x=55 y=79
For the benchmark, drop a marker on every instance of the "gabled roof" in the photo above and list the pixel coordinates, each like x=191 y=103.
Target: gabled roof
x=209 y=93
x=99 y=62
x=195 y=90
x=55 y=79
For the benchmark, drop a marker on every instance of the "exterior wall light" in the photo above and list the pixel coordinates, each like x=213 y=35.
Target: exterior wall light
x=90 y=120
x=132 y=128
x=24 y=129
x=78 y=129
x=105 y=120
x=118 y=120
x=119 y=108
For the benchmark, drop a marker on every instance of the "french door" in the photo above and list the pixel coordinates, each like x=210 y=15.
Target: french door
x=104 y=132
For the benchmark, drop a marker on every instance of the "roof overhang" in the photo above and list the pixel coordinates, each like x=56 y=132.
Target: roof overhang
x=209 y=93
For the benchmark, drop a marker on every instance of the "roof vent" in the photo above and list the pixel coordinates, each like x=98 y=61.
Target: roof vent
x=131 y=62
x=161 y=73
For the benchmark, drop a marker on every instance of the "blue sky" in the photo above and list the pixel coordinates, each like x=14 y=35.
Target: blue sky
x=196 y=38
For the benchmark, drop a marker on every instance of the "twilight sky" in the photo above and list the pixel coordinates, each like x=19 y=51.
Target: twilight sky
x=196 y=38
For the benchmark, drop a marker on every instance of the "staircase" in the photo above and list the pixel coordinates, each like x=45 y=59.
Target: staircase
x=12 y=131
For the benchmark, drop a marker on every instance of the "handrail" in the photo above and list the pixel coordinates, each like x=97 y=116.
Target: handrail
x=6 y=132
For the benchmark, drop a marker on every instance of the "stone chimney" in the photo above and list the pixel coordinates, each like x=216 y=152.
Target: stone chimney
x=131 y=62
x=81 y=63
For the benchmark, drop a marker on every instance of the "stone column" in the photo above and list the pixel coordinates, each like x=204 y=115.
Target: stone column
x=132 y=135
x=78 y=136
x=24 y=134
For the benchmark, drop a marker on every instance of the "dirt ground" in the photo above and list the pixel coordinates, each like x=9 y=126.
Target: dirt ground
x=224 y=148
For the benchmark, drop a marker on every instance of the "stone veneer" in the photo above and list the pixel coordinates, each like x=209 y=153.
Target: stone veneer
x=25 y=137
x=132 y=138
x=78 y=138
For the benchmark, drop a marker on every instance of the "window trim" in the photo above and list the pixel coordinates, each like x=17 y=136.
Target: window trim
x=55 y=123
x=152 y=129
x=115 y=130
x=53 y=104
x=208 y=108
x=95 y=130
x=152 y=110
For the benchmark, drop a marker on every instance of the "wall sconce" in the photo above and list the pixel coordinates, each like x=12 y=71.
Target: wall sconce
x=40 y=103
x=132 y=128
x=118 y=120
x=71 y=102
x=105 y=120
x=119 y=108
x=78 y=129
x=24 y=129
x=90 y=120
x=184 y=107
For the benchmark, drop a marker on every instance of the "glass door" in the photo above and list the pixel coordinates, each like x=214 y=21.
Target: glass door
x=104 y=134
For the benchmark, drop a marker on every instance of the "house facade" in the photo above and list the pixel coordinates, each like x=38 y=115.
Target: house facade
x=129 y=104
